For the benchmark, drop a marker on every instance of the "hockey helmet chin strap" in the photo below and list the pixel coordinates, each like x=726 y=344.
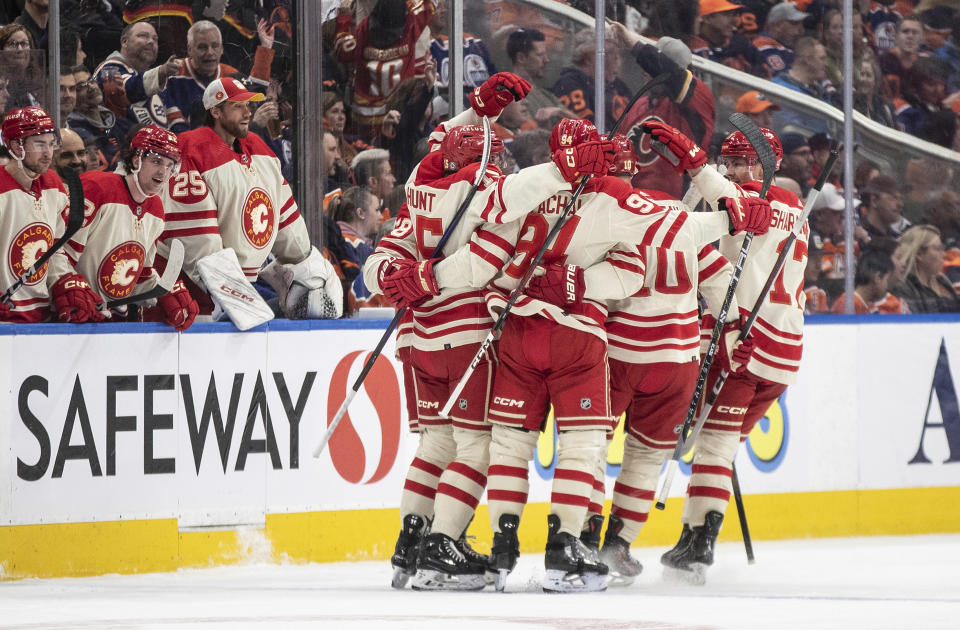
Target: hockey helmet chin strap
x=31 y=175
x=135 y=173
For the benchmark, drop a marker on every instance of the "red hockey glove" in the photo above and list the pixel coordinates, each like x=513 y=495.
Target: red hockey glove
x=75 y=301
x=410 y=283
x=686 y=152
x=747 y=214
x=589 y=158
x=497 y=92
x=179 y=307
x=734 y=355
x=560 y=285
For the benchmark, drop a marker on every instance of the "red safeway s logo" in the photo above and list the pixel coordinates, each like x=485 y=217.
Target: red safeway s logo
x=346 y=448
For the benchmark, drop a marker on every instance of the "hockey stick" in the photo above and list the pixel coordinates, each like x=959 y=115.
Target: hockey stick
x=768 y=162
x=484 y=161
x=169 y=278
x=742 y=515
x=531 y=268
x=74 y=222
x=748 y=325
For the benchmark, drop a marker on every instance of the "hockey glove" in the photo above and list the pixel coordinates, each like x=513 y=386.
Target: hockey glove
x=497 y=92
x=656 y=63
x=747 y=214
x=179 y=307
x=588 y=158
x=687 y=154
x=75 y=301
x=734 y=355
x=410 y=283
x=560 y=285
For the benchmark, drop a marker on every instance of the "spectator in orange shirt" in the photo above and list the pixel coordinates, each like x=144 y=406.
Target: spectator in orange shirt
x=871 y=283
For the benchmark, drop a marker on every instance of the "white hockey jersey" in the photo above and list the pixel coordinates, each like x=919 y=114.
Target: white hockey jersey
x=660 y=323
x=230 y=197
x=602 y=235
x=115 y=247
x=30 y=222
x=778 y=331
x=458 y=316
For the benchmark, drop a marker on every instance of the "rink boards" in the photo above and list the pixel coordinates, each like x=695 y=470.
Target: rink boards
x=130 y=448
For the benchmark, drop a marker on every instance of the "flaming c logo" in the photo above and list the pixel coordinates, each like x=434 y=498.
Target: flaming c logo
x=346 y=448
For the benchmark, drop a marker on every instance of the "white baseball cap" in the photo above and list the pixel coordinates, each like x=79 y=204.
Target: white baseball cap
x=830 y=198
x=227 y=89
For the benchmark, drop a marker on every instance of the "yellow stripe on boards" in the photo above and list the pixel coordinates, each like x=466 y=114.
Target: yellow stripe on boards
x=79 y=549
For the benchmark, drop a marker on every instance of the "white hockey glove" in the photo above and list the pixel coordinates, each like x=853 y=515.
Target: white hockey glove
x=310 y=289
x=231 y=291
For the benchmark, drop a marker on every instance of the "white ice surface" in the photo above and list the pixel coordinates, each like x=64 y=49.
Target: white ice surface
x=870 y=583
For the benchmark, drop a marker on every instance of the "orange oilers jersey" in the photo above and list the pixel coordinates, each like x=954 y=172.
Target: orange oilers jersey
x=30 y=222
x=114 y=248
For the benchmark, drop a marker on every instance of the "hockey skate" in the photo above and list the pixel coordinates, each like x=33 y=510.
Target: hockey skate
x=590 y=536
x=571 y=566
x=505 y=550
x=474 y=556
x=404 y=558
x=688 y=561
x=624 y=568
x=442 y=566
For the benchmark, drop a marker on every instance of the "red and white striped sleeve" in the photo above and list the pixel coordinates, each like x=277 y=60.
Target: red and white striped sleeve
x=293 y=239
x=65 y=260
x=400 y=243
x=478 y=262
x=618 y=276
x=714 y=272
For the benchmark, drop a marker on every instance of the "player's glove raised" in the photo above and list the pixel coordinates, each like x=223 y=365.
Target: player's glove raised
x=497 y=92
x=179 y=307
x=588 y=158
x=734 y=355
x=75 y=301
x=560 y=285
x=683 y=152
x=409 y=282
x=747 y=214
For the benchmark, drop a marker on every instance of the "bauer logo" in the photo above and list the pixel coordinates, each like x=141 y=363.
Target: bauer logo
x=364 y=446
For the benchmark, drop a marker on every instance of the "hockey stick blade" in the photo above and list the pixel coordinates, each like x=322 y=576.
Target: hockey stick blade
x=342 y=411
x=551 y=236
x=167 y=279
x=74 y=222
x=785 y=251
x=768 y=163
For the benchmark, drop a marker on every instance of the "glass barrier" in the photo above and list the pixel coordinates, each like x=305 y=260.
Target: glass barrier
x=23 y=78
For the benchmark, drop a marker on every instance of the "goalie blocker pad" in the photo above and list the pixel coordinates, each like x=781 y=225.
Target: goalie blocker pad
x=309 y=289
x=231 y=291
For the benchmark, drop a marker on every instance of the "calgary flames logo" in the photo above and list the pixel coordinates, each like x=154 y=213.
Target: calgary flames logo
x=120 y=269
x=29 y=245
x=258 y=218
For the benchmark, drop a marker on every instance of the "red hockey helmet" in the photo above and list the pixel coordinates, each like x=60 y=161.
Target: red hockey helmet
x=570 y=132
x=153 y=139
x=463 y=145
x=24 y=122
x=624 y=157
x=737 y=145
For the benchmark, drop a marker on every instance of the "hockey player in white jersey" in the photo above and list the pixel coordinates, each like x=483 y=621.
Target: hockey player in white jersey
x=123 y=217
x=653 y=341
x=33 y=201
x=553 y=350
x=230 y=195
x=778 y=333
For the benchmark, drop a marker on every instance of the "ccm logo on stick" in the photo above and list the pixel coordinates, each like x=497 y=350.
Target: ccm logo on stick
x=235 y=293
x=508 y=402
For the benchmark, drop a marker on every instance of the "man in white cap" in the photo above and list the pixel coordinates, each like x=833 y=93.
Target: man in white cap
x=230 y=194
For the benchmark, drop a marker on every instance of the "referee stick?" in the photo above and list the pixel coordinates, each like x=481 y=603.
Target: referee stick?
x=438 y=250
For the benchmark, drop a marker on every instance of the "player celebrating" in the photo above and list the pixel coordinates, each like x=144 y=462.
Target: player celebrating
x=777 y=334
x=230 y=194
x=32 y=200
x=123 y=219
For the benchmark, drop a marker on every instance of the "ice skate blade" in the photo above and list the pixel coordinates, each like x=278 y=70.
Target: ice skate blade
x=558 y=581
x=618 y=580
x=500 y=581
x=400 y=578
x=695 y=575
x=430 y=580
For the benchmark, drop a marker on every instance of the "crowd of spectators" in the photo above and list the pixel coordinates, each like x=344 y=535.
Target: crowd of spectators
x=386 y=70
